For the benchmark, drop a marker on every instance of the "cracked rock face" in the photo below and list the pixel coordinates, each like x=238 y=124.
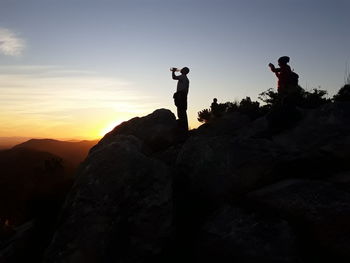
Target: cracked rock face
x=120 y=207
x=157 y=130
x=319 y=208
x=227 y=193
x=235 y=235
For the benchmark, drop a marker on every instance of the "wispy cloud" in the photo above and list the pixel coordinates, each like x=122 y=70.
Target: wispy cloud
x=47 y=98
x=52 y=88
x=10 y=43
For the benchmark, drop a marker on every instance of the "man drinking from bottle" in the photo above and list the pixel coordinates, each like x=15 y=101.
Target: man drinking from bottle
x=180 y=96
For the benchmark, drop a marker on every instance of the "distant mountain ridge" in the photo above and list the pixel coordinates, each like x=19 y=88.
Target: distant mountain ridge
x=70 y=151
x=37 y=170
x=25 y=175
x=9 y=142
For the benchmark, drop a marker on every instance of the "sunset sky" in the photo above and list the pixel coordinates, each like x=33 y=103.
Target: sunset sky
x=73 y=69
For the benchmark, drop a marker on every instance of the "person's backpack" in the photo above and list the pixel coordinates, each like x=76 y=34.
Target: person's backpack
x=294 y=78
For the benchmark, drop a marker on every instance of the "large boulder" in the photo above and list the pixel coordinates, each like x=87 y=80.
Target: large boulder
x=157 y=130
x=144 y=194
x=234 y=235
x=120 y=208
x=318 y=128
x=319 y=209
x=219 y=168
x=233 y=156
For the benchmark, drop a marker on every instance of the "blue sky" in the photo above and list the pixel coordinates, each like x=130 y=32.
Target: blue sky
x=100 y=62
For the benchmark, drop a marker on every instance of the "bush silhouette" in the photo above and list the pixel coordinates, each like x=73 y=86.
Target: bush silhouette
x=343 y=94
x=245 y=106
x=314 y=99
x=250 y=108
x=270 y=97
x=301 y=98
x=221 y=109
x=204 y=115
x=274 y=106
x=208 y=115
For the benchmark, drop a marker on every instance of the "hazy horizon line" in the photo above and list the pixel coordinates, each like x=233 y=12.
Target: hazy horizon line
x=9 y=141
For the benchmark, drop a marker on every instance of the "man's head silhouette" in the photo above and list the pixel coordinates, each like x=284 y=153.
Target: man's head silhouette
x=185 y=70
x=283 y=60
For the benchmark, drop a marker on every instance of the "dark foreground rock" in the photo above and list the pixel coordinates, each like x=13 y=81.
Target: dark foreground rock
x=120 y=209
x=233 y=235
x=158 y=130
x=20 y=241
x=319 y=208
x=227 y=192
x=220 y=168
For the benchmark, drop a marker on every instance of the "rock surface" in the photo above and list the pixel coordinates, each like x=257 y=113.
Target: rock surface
x=233 y=235
x=120 y=209
x=219 y=168
x=230 y=192
x=157 y=130
x=318 y=207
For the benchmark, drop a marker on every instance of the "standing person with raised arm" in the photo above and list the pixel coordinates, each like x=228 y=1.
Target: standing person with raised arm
x=287 y=86
x=282 y=73
x=180 y=96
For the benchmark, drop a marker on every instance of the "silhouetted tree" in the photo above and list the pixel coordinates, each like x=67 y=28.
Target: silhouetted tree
x=301 y=98
x=343 y=94
x=232 y=107
x=245 y=106
x=270 y=97
x=208 y=115
x=312 y=99
x=249 y=107
x=204 y=115
x=222 y=108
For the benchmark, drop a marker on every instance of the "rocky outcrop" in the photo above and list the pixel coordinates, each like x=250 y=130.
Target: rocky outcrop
x=234 y=235
x=228 y=192
x=157 y=131
x=317 y=207
x=220 y=168
x=120 y=209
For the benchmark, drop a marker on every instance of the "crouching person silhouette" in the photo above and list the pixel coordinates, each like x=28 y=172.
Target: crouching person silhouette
x=180 y=96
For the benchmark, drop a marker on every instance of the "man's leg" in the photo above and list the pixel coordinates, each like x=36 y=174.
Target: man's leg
x=182 y=115
x=185 y=125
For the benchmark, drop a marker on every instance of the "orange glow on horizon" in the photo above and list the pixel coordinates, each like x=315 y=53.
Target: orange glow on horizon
x=109 y=128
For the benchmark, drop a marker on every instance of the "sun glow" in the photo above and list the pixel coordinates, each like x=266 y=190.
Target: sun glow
x=109 y=127
x=53 y=102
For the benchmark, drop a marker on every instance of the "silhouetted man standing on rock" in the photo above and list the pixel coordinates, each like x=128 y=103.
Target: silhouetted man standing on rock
x=180 y=96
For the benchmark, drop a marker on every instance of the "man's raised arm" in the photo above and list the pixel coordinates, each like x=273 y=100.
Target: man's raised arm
x=174 y=76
